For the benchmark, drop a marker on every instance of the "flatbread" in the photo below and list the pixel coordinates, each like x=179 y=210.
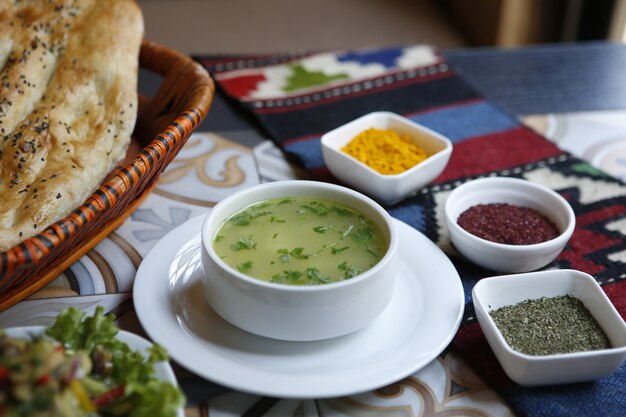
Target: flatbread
x=68 y=105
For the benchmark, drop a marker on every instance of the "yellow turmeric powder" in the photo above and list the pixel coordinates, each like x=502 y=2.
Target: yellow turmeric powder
x=385 y=151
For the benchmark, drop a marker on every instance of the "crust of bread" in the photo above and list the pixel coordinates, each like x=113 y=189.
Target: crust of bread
x=68 y=105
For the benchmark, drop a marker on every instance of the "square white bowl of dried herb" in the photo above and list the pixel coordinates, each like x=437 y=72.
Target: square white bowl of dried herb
x=550 y=327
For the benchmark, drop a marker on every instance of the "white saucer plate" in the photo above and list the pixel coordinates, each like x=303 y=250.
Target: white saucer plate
x=423 y=316
x=162 y=370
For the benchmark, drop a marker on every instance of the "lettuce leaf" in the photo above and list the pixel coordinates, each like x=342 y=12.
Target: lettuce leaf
x=80 y=332
x=144 y=394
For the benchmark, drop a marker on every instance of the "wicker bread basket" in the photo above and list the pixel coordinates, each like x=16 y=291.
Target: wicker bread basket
x=164 y=122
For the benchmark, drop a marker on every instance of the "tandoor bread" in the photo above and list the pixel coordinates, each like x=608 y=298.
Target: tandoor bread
x=68 y=104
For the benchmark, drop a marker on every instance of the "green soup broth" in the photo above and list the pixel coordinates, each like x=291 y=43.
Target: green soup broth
x=300 y=241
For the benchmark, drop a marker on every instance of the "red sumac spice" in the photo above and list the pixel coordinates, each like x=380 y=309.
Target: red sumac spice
x=508 y=224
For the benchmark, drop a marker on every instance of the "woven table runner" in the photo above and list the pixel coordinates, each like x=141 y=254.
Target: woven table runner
x=297 y=97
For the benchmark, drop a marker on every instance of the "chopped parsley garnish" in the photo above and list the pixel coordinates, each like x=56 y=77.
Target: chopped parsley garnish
x=343 y=212
x=347 y=231
x=218 y=238
x=246 y=266
x=321 y=229
x=349 y=271
x=244 y=218
x=241 y=219
x=243 y=243
x=260 y=213
x=314 y=275
x=286 y=256
x=318 y=208
x=336 y=251
x=286 y=276
x=363 y=235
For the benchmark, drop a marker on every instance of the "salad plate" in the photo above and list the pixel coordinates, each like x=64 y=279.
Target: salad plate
x=420 y=321
x=162 y=370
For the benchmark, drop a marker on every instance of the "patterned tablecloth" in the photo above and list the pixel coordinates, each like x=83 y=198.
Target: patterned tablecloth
x=213 y=165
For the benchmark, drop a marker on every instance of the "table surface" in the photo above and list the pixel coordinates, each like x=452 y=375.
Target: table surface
x=228 y=154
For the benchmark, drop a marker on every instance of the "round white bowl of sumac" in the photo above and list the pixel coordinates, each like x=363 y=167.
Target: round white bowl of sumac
x=508 y=224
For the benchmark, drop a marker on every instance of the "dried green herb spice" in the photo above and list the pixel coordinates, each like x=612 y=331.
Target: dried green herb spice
x=549 y=326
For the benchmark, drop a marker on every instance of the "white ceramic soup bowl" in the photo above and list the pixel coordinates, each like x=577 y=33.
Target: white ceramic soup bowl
x=289 y=312
x=387 y=189
x=528 y=370
x=503 y=257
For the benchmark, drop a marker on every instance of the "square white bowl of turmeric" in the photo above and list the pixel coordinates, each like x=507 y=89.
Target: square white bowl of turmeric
x=385 y=155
